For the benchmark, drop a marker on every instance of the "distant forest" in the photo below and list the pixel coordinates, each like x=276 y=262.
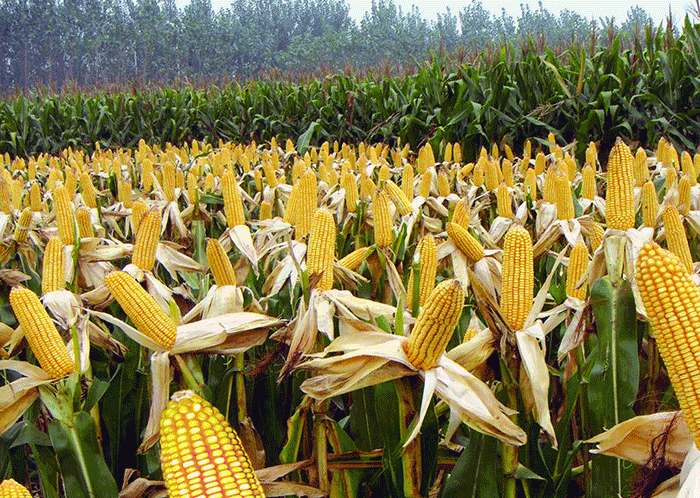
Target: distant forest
x=100 y=42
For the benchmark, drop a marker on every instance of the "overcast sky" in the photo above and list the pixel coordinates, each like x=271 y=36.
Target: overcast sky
x=587 y=8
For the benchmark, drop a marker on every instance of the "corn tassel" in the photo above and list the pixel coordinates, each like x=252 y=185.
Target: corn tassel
x=147 y=239
x=619 y=209
x=220 y=264
x=41 y=333
x=518 y=277
x=465 y=242
x=435 y=325
x=676 y=238
x=578 y=263
x=201 y=455
x=149 y=318
x=322 y=248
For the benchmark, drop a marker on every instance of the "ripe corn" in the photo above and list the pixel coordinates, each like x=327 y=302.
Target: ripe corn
x=641 y=170
x=443 y=184
x=469 y=334
x=509 y=153
x=531 y=183
x=12 y=489
x=684 y=195
x=201 y=455
x=192 y=193
x=290 y=209
x=138 y=211
x=478 y=179
x=650 y=205
x=398 y=198
x=65 y=220
x=220 y=264
x=53 y=275
x=427 y=250
x=321 y=251
x=592 y=154
x=565 y=200
x=41 y=333
x=504 y=206
x=307 y=204
x=85 y=228
x=676 y=238
x=518 y=277
x=588 y=188
x=491 y=179
x=352 y=196
x=23 y=224
x=147 y=239
x=233 y=205
x=462 y=214
x=209 y=182
x=457 y=153
x=169 y=181
x=149 y=318
x=688 y=168
x=383 y=230
x=571 y=167
x=596 y=235
x=124 y=193
x=435 y=325
x=619 y=209
x=17 y=191
x=35 y=197
x=578 y=263
x=507 y=168
x=353 y=260
x=147 y=175
x=447 y=154
x=549 y=193
x=540 y=163
x=265 y=210
x=671 y=178
x=71 y=183
x=672 y=303
x=425 y=182
x=466 y=243
x=270 y=175
x=384 y=173
x=407 y=182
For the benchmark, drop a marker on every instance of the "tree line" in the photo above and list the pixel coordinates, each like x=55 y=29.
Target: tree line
x=98 y=42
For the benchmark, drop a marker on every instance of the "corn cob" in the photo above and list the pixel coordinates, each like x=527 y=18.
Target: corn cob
x=384 y=173
x=265 y=210
x=688 y=168
x=447 y=154
x=425 y=181
x=52 y=179
x=307 y=204
x=457 y=153
x=23 y=224
x=169 y=181
x=478 y=179
x=398 y=198
x=619 y=208
x=592 y=154
x=209 y=183
x=383 y=230
x=507 y=168
x=650 y=205
x=427 y=251
x=435 y=325
x=53 y=275
x=41 y=333
x=462 y=214
x=12 y=489
x=531 y=183
x=518 y=277
x=596 y=235
x=588 y=190
x=290 y=209
x=71 y=183
x=220 y=264
x=124 y=193
x=469 y=334
x=494 y=151
x=201 y=455
x=443 y=184
x=549 y=193
x=147 y=175
x=504 y=206
x=147 y=239
x=149 y=318
x=565 y=201
x=641 y=170
x=138 y=211
x=571 y=167
x=672 y=303
x=684 y=195
x=353 y=260
x=269 y=174
x=85 y=228
x=578 y=263
x=322 y=248
x=465 y=242
x=676 y=238
x=349 y=183
x=491 y=179
x=233 y=205
x=671 y=178
x=35 y=197
x=540 y=163
x=192 y=193
x=17 y=191
x=407 y=182
x=65 y=220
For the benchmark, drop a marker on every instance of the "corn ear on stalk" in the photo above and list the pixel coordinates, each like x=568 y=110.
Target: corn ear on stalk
x=398 y=198
x=588 y=190
x=641 y=170
x=549 y=193
x=308 y=203
x=469 y=335
x=138 y=211
x=462 y=214
x=169 y=181
x=425 y=183
x=147 y=240
x=578 y=263
x=322 y=248
x=407 y=182
x=12 y=489
x=650 y=205
x=24 y=223
x=65 y=219
x=383 y=229
x=201 y=455
x=684 y=195
x=41 y=333
x=596 y=235
x=507 y=169
x=149 y=318
x=530 y=184
x=465 y=242
x=265 y=210
x=518 y=277
x=353 y=260
x=619 y=210
x=491 y=179
x=35 y=197
x=435 y=325
x=443 y=184
x=676 y=238
x=220 y=264
x=53 y=273
x=233 y=205
x=504 y=205
x=428 y=267
x=565 y=200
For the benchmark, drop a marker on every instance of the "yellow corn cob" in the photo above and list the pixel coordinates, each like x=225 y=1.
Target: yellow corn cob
x=23 y=224
x=265 y=210
x=696 y=162
x=672 y=155
x=321 y=252
x=539 y=163
x=52 y=179
x=565 y=201
x=427 y=250
x=596 y=235
x=619 y=209
x=671 y=178
x=333 y=178
x=650 y=205
x=169 y=181
x=179 y=179
x=147 y=175
x=443 y=184
x=12 y=489
x=578 y=263
x=491 y=179
x=478 y=179
x=407 y=182
x=220 y=264
x=684 y=195
x=447 y=154
x=201 y=455
x=209 y=182
x=85 y=228
x=65 y=220
x=462 y=214
x=192 y=194
x=307 y=204
x=384 y=173
x=233 y=205
x=352 y=196
x=465 y=242
x=641 y=170
x=504 y=206
x=124 y=193
x=149 y=318
x=147 y=239
x=549 y=193
x=398 y=198
x=290 y=209
x=518 y=277
x=138 y=210
x=530 y=183
x=588 y=190
x=527 y=155
x=88 y=191
x=509 y=153
x=71 y=183
x=688 y=168
x=258 y=176
x=457 y=153
x=353 y=260
x=383 y=230
x=469 y=334
x=435 y=325
x=571 y=165
x=466 y=170
x=592 y=154
x=17 y=191
x=425 y=182
x=270 y=174
x=494 y=150
x=672 y=303
x=507 y=169
x=676 y=238
x=41 y=333
x=35 y=197
x=53 y=275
